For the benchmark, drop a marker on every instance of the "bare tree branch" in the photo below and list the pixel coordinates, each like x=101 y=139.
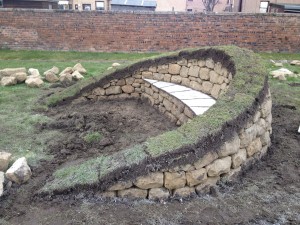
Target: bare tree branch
x=210 y=4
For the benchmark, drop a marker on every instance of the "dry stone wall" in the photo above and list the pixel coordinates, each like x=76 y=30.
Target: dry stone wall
x=206 y=76
x=245 y=148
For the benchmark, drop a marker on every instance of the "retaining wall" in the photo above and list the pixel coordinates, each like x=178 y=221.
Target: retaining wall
x=137 y=31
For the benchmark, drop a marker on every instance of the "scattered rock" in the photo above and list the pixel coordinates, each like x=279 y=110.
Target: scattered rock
x=278 y=64
x=51 y=77
x=66 y=78
x=34 y=72
x=54 y=70
x=68 y=70
x=114 y=65
x=11 y=71
x=78 y=67
x=109 y=68
x=19 y=172
x=4 y=160
x=21 y=77
x=295 y=62
x=8 y=81
x=282 y=72
x=1 y=183
x=34 y=82
x=77 y=76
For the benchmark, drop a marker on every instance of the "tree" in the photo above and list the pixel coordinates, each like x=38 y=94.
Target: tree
x=210 y=4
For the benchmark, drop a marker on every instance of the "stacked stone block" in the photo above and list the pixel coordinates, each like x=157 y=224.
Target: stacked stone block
x=244 y=148
x=206 y=76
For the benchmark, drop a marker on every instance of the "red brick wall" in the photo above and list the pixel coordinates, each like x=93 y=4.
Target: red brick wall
x=116 y=31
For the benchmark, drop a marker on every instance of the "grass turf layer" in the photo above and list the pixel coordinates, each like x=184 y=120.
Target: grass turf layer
x=190 y=141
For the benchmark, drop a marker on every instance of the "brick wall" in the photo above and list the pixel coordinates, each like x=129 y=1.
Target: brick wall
x=116 y=31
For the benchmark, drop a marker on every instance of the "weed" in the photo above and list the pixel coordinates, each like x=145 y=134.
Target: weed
x=93 y=137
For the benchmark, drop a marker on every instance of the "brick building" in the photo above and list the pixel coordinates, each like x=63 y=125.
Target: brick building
x=33 y=4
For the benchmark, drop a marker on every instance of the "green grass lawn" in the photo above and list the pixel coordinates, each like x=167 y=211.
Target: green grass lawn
x=18 y=133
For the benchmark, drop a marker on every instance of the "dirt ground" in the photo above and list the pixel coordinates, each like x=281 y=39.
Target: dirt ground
x=269 y=193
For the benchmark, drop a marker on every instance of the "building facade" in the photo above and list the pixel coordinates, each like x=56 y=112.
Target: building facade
x=29 y=4
x=89 y=5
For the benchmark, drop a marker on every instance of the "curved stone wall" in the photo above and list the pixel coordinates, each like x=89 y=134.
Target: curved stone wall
x=218 y=145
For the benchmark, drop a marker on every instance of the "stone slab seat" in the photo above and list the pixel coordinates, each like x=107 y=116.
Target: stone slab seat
x=197 y=101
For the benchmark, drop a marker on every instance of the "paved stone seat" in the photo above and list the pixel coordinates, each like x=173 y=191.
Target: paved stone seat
x=197 y=101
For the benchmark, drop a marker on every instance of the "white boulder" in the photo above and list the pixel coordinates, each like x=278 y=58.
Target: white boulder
x=19 y=172
x=78 y=67
x=34 y=72
x=54 y=70
x=8 y=81
x=51 y=77
x=4 y=160
x=68 y=70
x=280 y=73
x=34 y=82
x=295 y=62
x=10 y=71
x=116 y=65
x=77 y=75
x=20 y=76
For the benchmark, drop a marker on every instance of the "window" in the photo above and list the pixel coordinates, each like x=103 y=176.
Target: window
x=189 y=10
x=264 y=6
x=1 y=3
x=99 y=5
x=86 y=7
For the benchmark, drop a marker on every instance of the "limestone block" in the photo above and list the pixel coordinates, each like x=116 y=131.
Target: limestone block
x=213 y=77
x=207 y=86
x=220 y=80
x=195 y=85
x=185 y=82
x=54 y=70
x=19 y=172
x=194 y=71
x=4 y=160
x=184 y=71
x=182 y=62
x=99 y=91
x=113 y=90
x=77 y=76
x=162 y=109
x=223 y=86
x=187 y=167
x=168 y=105
x=239 y=158
x=8 y=81
x=135 y=95
x=265 y=139
x=193 y=62
x=204 y=73
x=174 y=180
x=122 y=82
x=51 y=77
x=21 y=77
x=163 y=69
x=256 y=116
x=11 y=71
x=152 y=180
x=153 y=69
x=195 y=177
x=218 y=68
x=34 y=82
x=66 y=78
x=201 y=63
x=167 y=78
x=205 y=160
x=183 y=118
x=66 y=70
x=204 y=187
x=177 y=110
x=158 y=76
x=128 y=89
x=219 y=166
x=188 y=112
x=215 y=90
x=263 y=152
x=171 y=117
x=120 y=185
x=231 y=175
x=132 y=193
x=139 y=81
x=176 y=79
x=224 y=72
x=129 y=80
x=230 y=147
x=210 y=63
x=248 y=136
x=136 y=85
x=174 y=69
x=158 y=193
x=78 y=67
x=106 y=85
x=254 y=147
x=34 y=72
x=266 y=108
x=184 y=192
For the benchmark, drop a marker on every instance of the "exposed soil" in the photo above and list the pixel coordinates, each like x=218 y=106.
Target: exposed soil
x=269 y=193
